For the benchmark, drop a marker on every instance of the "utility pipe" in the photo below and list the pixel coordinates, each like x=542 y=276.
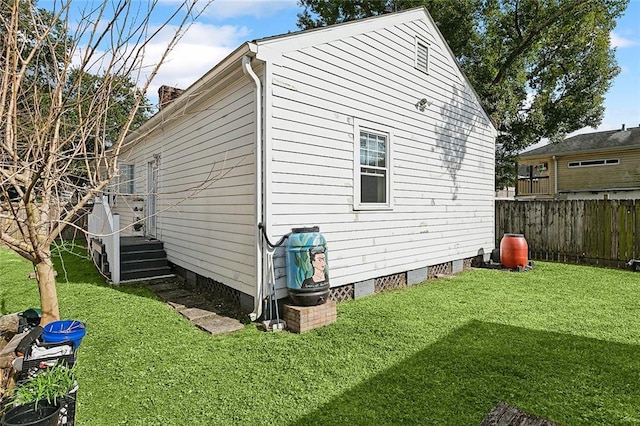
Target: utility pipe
x=257 y=301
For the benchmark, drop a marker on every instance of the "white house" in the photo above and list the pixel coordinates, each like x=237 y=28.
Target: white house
x=367 y=129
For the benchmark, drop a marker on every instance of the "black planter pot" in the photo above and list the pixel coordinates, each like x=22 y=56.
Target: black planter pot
x=41 y=413
x=68 y=408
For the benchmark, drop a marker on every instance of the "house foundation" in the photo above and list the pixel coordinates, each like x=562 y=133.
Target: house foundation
x=400 y=280
x=336 y=294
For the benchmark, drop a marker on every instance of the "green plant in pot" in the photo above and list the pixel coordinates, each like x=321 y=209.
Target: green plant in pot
x=39 y=400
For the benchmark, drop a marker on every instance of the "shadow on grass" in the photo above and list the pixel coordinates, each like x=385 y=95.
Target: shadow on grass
x=564 y=378
x=73 y=265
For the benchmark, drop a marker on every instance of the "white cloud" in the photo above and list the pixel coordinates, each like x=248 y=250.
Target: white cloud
x=223 y=9
x=619 y=41
x=199 y=50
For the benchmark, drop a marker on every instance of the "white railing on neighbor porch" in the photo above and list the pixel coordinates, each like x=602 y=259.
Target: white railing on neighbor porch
x=104 y=226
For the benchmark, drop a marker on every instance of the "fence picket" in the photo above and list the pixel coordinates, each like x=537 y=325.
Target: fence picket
x=604 y=232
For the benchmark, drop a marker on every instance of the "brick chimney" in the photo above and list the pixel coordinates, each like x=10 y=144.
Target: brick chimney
x=167 y=94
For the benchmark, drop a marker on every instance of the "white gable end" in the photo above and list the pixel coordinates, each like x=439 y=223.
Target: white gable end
x=417 y=20
x=439 y=161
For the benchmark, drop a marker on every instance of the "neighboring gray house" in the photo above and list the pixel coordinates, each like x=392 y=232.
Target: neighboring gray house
x=367 y=129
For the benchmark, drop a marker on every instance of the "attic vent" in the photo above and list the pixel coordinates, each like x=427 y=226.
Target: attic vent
x=422 y=56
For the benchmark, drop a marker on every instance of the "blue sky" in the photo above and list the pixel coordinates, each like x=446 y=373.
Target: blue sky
x=228 y=23
x=623 y=99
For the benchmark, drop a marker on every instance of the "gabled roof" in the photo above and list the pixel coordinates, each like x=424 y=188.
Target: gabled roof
x=590 y=142
x=267 y=49
x=347 y=28
x=313 y=36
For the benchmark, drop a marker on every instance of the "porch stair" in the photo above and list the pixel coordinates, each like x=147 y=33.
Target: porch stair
x=142 y=259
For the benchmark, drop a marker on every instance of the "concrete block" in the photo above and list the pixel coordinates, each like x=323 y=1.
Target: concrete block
x=304 y=318
x=191 y=278
x=416 y=276
x=216 y=324
x=364 y=288
x=457 y=266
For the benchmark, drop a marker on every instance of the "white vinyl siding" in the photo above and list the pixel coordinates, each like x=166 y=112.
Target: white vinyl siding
x=441 y=166
x=206 y=185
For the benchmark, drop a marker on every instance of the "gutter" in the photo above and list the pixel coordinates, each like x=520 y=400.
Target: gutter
x=248 y=71
x=569 y=191
x=612 y=150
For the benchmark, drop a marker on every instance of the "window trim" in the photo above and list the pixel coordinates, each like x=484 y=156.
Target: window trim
x=130 y=182
x=594 y=163
x=421 y=42
x=362 y=125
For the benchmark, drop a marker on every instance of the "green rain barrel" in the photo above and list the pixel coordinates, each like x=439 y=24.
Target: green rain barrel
x=307 y=267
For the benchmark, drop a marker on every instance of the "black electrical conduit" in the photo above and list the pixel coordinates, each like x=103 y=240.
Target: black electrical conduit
x=280 y=241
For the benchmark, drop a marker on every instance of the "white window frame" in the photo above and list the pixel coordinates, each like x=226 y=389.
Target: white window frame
x=361 y=125
x=420 y=42
x=126 y=182
x=605 y=162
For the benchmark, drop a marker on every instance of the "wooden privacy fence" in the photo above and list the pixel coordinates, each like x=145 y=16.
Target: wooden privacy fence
x=68 y=233
x=604 y=232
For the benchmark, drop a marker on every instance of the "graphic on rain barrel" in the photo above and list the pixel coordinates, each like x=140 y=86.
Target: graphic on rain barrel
x=307 y=267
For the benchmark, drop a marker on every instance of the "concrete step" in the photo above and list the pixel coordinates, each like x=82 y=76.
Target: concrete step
x=139 y=244
x=148 y=273
x=133 y=265
x=142 y=254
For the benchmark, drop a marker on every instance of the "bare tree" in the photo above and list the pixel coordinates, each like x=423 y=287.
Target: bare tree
x=62 y=71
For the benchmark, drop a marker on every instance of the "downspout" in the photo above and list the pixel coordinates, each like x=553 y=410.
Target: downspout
x=555 y=176
x=257 y=301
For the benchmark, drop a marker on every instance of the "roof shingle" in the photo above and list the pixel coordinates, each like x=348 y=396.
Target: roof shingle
x=586 y=142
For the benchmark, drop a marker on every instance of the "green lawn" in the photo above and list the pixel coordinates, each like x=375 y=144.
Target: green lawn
x=560 y=341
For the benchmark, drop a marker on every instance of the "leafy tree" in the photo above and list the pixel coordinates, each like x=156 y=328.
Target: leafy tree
x=70 y=91
x=540 y=67
x=81 y=89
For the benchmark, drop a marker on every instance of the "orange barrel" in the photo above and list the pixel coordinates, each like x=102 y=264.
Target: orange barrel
x=514 y=251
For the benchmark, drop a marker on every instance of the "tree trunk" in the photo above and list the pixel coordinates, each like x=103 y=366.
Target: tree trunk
x=48 y=295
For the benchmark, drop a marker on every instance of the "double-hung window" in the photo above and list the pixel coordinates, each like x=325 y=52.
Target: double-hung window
x=126 y=180
x=373 y=168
